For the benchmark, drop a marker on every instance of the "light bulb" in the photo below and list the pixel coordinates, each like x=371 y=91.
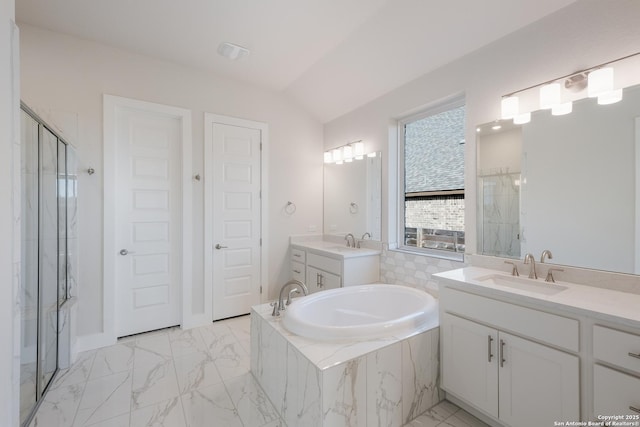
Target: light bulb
x=562 y=109
x=509 y=107
x=521 y=119
x=328 y=157
x=600 y=82
x=358 y=149
x=337 y=155
x=549 y=95
x=347 y=153
x=610 y=97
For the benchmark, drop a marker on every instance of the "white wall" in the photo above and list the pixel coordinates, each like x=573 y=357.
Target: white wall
x=62 y=75
x=584 y=34
x=9 y=220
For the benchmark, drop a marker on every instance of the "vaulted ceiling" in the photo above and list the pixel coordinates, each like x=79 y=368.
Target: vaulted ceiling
x=330 y=56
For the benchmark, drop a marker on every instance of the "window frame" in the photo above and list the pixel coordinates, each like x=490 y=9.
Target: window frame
x=440 y=107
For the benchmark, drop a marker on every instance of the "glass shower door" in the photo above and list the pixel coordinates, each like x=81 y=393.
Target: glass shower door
x=29 y=263
x=49 y=258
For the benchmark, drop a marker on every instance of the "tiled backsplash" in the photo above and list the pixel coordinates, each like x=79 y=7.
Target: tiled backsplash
x=415 y=270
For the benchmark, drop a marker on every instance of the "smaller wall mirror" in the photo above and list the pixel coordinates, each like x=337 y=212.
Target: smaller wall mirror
x=353 y=197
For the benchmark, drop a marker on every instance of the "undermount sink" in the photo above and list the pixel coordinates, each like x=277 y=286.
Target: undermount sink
x=342 y=249
x=523 y=284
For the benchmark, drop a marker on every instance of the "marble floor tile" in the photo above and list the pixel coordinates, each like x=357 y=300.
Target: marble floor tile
x=252 y=403
x=104 y=398
x=113 y=359
x=193 y=378
x=77 y=373
x=118 y=421
x=203 y=406
x=196 y=370
x=164 y=414
x=59 y=407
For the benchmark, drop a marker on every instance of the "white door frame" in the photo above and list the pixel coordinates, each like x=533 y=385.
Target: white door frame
x=111 y=104
x=209 y=120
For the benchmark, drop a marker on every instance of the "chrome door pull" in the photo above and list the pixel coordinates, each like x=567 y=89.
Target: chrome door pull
x=220 y=247
x=124 y=252
x=636 y=355
x=489 y=354
x=502 y=359
x=634 y=409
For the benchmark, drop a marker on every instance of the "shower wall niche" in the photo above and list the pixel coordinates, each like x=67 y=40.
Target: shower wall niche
x=48 y=211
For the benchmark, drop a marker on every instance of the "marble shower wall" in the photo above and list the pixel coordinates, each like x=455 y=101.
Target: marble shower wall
x=387 y=387
x=500 y=214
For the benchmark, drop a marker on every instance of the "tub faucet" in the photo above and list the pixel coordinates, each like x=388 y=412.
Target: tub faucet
x=528 y=258
x=279 y=304
x=349 y=241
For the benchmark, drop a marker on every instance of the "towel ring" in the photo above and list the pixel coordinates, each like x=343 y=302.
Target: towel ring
x=353 y=208
x=290 y=208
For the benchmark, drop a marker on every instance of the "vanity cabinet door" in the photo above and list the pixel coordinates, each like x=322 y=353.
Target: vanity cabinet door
x=320 y=280
x=538 y=384
x=298 y=271
x=470 y=362
x=615 y=393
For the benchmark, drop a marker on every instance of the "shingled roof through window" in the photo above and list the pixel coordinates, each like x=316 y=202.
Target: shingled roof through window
x=434 y=152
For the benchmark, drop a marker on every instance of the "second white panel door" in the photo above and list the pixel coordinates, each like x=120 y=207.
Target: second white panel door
x=236 y=219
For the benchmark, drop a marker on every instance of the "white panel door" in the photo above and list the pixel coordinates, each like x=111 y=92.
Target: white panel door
x=236 y=219
x=148 y=221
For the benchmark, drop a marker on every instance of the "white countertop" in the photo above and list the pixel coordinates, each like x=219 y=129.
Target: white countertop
x=590 y=301
x=333 y=249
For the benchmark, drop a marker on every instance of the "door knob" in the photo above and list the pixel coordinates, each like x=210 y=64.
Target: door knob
x=125 y=252
x=220 y=247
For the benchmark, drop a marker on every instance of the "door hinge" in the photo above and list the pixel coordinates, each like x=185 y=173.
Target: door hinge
x=261 y=241
x=260 y=288
x=261 y=146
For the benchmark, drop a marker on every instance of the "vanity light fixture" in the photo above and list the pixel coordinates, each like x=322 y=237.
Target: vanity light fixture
x=562 y=109
x=358 y=148
x=337 y=156
x=521 y=119
x=347 y=153
x=328 y=157
x=599 y=81
x=549 y=96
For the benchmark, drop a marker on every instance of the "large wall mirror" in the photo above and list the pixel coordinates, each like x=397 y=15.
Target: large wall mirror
x=353 y=197
x=570 y=184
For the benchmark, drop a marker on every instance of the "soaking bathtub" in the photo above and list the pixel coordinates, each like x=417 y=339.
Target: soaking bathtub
x=362 y=313
x=354 y=356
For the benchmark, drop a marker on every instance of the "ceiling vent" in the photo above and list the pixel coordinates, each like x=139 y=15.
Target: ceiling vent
x=232 y=51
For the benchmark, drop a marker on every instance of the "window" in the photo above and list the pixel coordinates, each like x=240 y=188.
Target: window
x=432 y=181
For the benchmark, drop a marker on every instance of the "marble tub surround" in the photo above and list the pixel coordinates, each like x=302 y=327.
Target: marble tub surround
x=590 y=301
x=388 y=381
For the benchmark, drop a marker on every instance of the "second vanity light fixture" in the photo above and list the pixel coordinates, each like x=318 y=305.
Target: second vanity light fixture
x=598 y=80
x=347 y=153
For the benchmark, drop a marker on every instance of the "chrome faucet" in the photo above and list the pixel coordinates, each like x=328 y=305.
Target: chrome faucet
x=351 y=243
x=364 y=237
x=545 y=254
x=528 y=258
x=279 y=305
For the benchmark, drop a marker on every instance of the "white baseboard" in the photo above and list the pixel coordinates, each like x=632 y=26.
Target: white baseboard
x=196 y=320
